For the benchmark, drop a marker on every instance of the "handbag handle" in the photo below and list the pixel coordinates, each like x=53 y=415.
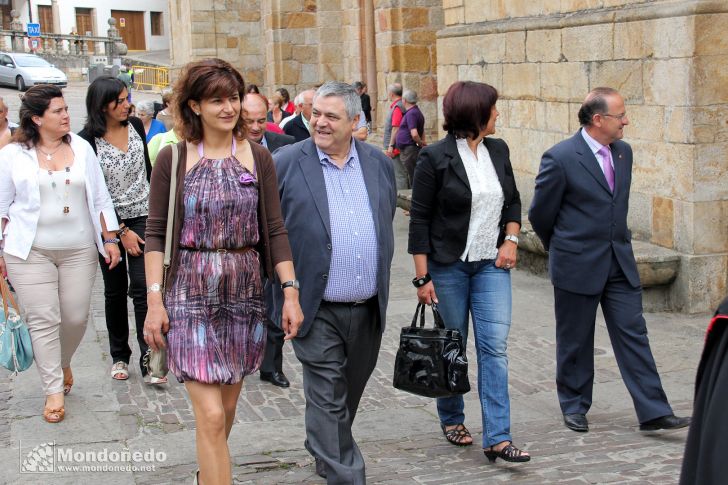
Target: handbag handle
x=439 y=323
x=7 y=297
x=170 y=214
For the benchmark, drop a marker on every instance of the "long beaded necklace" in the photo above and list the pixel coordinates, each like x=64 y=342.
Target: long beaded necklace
x=67 y=182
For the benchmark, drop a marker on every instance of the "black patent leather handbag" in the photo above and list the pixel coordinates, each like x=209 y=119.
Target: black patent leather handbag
x=431 y=362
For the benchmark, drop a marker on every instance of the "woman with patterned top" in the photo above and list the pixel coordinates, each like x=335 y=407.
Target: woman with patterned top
x=465 y=219
x=227 y=227
x=56 y=216
x=120 y=145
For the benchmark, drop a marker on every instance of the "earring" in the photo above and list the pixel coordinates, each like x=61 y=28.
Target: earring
x=198 y=114
x=39 y=123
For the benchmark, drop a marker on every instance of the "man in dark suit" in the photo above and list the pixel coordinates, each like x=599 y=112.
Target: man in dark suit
x=255 y=107
x=579 y=211
x=299 y=126
x=338 y=200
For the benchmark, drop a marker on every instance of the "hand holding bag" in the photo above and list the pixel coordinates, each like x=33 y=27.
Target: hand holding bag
x=16 y=349
x=156 y=360
x=431 y=362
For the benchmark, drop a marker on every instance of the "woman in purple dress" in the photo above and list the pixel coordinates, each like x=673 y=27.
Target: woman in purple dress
x=227 y=230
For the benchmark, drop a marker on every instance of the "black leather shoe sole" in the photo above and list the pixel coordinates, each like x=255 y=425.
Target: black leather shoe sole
x=320 y=468
x=576 y=422
x=665 y=422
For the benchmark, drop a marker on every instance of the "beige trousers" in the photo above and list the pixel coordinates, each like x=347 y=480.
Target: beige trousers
x=54 y=294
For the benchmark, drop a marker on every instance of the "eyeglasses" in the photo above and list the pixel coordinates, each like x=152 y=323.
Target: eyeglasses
x=618 y=117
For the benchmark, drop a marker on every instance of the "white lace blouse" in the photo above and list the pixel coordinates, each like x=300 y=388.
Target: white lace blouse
x=487 y=203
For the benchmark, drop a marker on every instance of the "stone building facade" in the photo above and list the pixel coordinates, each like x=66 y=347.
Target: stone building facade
x=669 y=59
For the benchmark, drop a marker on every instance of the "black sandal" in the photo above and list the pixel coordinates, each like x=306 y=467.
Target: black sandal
x=508 y=453
x=457 y=434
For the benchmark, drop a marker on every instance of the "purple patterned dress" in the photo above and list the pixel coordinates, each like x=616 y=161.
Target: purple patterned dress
x=215 y=304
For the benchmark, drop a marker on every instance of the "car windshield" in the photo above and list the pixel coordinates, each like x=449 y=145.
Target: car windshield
x=31 y=61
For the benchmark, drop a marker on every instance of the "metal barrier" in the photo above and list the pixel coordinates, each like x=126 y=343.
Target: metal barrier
x=151 y=78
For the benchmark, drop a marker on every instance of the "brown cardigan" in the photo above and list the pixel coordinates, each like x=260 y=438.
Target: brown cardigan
x=273 y=245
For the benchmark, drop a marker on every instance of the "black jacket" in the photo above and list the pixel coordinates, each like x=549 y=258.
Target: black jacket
x=276 y=140
x=441 y=199
x=139 y=127
x=297 y=129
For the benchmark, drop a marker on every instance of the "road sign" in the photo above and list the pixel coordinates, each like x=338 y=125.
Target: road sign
x=34 y=43
x=33 y=30
x=122 y=22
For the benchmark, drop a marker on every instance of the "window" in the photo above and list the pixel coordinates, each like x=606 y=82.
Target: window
x=156 y=19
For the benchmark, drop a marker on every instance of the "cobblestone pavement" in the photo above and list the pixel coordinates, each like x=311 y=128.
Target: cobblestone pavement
x=398 y=433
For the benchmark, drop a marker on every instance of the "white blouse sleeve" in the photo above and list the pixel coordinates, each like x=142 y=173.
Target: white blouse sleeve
x=7 y=187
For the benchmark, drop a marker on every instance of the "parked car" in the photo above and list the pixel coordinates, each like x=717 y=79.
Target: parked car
x=25 y=70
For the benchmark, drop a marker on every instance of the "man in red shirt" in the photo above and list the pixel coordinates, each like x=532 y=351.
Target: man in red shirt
x=391 y=126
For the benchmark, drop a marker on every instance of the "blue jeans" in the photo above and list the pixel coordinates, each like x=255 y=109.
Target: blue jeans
x=484 y=291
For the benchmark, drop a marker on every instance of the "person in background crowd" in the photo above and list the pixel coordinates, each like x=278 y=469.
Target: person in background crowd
x=391 y=125
x=125 y=77
x=152 y=127
x=579 y=212
x=410 y=136
x=227 y=234
x=7 y=128
x=119 y=143
x=331 y=185
x=132 y=110
x=366 y=102
x=254 y=116
x=463 y=236
x=287 y=105
x=298 y=100
x=361 y=132
x=55 y=215
x=299 y=126
x=252 y=88
x=163 y=111
x=277 y=113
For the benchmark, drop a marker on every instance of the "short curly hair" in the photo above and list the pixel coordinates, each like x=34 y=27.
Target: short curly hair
x=202 y=80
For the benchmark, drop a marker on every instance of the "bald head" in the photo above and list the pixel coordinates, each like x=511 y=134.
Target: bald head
x=255 y=111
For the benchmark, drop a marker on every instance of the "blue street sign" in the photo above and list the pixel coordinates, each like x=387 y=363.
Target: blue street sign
x=33 y=30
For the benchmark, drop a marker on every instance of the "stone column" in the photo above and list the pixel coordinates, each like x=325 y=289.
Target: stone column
x=56 y=17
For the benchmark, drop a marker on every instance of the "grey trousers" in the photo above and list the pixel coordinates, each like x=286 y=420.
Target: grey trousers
x=338 y=355
x=400 y=174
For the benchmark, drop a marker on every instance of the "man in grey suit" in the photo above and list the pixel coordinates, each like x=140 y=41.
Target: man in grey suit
x=338 y=200
x=255 y=108
x=579 y=211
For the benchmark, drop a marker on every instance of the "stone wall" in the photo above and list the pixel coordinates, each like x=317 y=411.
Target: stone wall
x=669 y=60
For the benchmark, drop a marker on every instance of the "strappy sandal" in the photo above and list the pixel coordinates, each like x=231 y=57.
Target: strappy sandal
x=67 y=383
x=54 y=415
x=457 y=434
x=508 y=453
x=120 y=371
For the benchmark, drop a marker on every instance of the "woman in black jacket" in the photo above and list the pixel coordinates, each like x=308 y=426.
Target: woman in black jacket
x=120 y=145
x=465 y=219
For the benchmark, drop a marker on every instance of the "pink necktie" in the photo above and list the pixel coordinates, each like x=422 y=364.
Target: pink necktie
x=607 y=166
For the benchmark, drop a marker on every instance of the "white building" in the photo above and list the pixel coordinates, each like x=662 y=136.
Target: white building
x=143 y=24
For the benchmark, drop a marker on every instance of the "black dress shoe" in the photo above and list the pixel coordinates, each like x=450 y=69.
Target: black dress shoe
x=576 y=422
x=320 y=468
x=665 y=422
x=275 y=378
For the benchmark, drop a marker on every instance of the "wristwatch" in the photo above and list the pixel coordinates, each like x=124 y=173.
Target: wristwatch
x=113 y=240
x=290 y=284
x=154 y=288
x=512 y=237
x=422 y=280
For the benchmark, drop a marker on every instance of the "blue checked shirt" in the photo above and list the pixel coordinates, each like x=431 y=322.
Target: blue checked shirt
x=354 y=252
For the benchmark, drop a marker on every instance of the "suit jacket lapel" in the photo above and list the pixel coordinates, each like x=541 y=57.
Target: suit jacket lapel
x=371 y=173
x=497 y=158
x=451 y=150
x=589 y=161
x=314 y=175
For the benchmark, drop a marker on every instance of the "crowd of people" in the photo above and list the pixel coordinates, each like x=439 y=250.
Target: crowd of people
x=282 y=230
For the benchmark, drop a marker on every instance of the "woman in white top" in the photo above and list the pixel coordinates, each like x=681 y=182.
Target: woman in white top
x=56 y=214
x=465 y=218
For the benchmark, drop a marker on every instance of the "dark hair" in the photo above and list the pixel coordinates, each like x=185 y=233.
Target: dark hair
x=103 y=91
x=467 y=107
x=252 y=88
x=201 y=80
x=595 y=103
x=35 y=102
x=284 y=93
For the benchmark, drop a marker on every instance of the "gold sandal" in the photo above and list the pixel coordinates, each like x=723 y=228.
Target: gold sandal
x=54 y=415
x=67 y=382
